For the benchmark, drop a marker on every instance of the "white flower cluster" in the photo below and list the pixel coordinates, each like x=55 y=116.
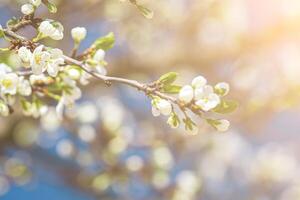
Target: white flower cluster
x=204 y=95
x=30 y=7
x=11 y=84
x=50 y=76
x=199 y=95
x=41 y=60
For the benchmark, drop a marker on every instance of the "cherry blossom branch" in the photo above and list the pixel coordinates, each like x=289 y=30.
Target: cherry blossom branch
x=198 y=97
x=107 y=79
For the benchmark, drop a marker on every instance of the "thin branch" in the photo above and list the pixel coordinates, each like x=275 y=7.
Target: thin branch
x=110 y=79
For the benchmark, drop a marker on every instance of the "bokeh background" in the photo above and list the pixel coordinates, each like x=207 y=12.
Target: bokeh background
x=110 y=147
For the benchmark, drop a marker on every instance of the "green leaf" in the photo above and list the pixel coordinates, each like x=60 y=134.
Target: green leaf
x=51 y=7
x=171 y=89
x=168 y=78
x=145 y=12
x=226 y=106
x=105 y=43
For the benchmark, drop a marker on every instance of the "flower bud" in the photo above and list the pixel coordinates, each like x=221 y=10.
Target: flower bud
x=46 y=28
x=222 y=88
x=199 y=81
x=223 y=125
x=99 y=55
x=173 y=121
x=27 y=9
x=78 y=34
x=57 y=35
x=73 y=73
x=54 y=30
x=186 y=94
x=164 y=107
x=193 y=131
x=24 y=54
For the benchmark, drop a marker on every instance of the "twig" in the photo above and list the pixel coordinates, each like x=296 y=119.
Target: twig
x=110 y=79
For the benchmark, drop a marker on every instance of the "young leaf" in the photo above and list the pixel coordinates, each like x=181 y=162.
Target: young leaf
x=168 y=78
x=51 y=7
x=105 y=43
x=171 y=89
x=226 y=106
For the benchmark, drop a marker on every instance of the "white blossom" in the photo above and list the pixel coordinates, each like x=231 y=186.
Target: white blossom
x=27 y=9
x=58 y=33
x=78 y=33
x=55 y=60
x=25 y=56
x=186 y=94
x=46 y=28
x=199 y=81
x=9 y=83
x=164 y=107
x=206 y=99
x=39 y=60
x=99 y=59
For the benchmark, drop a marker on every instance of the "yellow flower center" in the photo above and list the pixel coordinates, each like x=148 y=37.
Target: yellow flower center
x=38 y=59
x=7 y=83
